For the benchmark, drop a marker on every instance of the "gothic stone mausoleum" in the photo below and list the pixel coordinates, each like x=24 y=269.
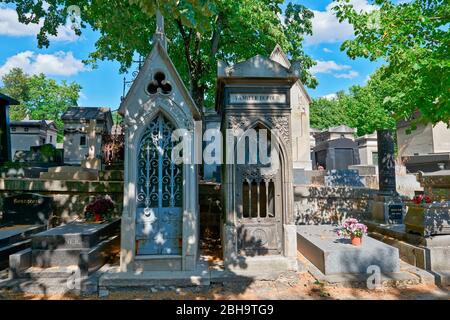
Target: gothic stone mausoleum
x=160 y=221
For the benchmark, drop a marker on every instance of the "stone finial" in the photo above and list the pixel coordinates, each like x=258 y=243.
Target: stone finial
x=159 y=32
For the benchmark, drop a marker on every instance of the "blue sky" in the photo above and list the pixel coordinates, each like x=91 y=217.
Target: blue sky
x=103 y=86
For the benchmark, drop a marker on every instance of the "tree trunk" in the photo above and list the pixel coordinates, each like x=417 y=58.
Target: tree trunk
x=198 y=94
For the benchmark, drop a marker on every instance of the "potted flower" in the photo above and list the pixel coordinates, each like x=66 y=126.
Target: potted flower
x=421 y=199
x=353 y=229
x=100 y=209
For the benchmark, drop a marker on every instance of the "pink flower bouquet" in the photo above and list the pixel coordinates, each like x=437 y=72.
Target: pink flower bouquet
x=352 y=228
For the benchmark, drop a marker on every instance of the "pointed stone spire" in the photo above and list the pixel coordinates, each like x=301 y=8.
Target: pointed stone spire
x=159 y=33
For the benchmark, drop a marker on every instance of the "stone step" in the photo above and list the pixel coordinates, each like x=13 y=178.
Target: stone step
x=111 y=175
x=52 y=285
x=89 y=260
x=70 y=169
x=80 y=175
x=130 y=280
x=5 y=252
x=54 y=272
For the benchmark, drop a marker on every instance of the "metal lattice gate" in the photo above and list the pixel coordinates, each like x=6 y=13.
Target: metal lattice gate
x=159 y=192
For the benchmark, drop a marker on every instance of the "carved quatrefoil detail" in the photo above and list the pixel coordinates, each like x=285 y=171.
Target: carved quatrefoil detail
x=159 y=84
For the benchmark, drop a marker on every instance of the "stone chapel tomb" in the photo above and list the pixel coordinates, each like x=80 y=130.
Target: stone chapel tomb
x=160 y=221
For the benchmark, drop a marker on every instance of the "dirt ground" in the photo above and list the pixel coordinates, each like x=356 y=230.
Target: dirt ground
x=291 y=286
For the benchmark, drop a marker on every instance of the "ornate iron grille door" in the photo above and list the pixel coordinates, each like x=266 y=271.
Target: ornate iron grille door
x=159 y=192
x=259 y=209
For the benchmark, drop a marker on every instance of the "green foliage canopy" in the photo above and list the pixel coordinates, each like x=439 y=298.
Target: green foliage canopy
x=200 y=33
x=40 y=98
x=414 y=39
x=361 y=108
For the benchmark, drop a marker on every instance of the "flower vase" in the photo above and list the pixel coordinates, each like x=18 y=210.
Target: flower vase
x=356 y=241
x=97 y=217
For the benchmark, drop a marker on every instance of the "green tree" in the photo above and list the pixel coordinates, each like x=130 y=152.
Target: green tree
x=200 y=33
x=361 y=108
x=15 y=85
x=414 y=39
x=41 y=98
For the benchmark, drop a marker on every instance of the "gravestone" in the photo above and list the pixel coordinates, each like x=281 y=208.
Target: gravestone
x=386 y=162
x=387 y=206
x=87 y=246
x=332 y=254
x=26 y=209
x=343 y=178
x=23 y=215
x=65 y=259
x=92 y=162
x=5 y=138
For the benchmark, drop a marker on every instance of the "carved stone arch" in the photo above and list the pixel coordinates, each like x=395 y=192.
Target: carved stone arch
x=161 y=103
x=269 y=123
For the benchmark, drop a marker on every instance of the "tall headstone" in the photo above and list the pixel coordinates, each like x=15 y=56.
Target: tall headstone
x=386 y=162
x=92 y=162
x=5 y=139
x=387 y=204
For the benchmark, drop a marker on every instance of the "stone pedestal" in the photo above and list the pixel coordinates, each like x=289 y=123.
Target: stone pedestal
x=388 y=209
x=429 y=219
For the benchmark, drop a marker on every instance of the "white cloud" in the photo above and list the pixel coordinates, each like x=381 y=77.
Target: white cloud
x=57 y=64
x=326 y=50
x=10 y=26
x=326 y=27
x=331 y=96
x=349 y=75
x=328 y=67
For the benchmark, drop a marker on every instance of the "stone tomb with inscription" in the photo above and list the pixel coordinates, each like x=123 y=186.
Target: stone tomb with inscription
x=387 y=206
x=23 y=215
x=258 y=231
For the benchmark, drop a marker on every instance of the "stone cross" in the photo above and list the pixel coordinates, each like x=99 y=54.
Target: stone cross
x=92 y=139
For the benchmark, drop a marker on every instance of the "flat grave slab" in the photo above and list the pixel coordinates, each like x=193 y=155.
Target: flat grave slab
x=75 y=236
x=332 y=254
x=87 y=246
x=15 y=238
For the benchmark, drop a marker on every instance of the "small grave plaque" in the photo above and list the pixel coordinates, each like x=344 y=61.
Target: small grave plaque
x=26 y=208
x=395 y=213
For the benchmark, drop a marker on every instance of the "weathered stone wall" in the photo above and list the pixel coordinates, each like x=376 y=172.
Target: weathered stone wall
x=69 y=197
x=325 y=205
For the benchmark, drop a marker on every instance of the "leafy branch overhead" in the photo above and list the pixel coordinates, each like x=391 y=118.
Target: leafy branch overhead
x=199 y=33
x=414 y=39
